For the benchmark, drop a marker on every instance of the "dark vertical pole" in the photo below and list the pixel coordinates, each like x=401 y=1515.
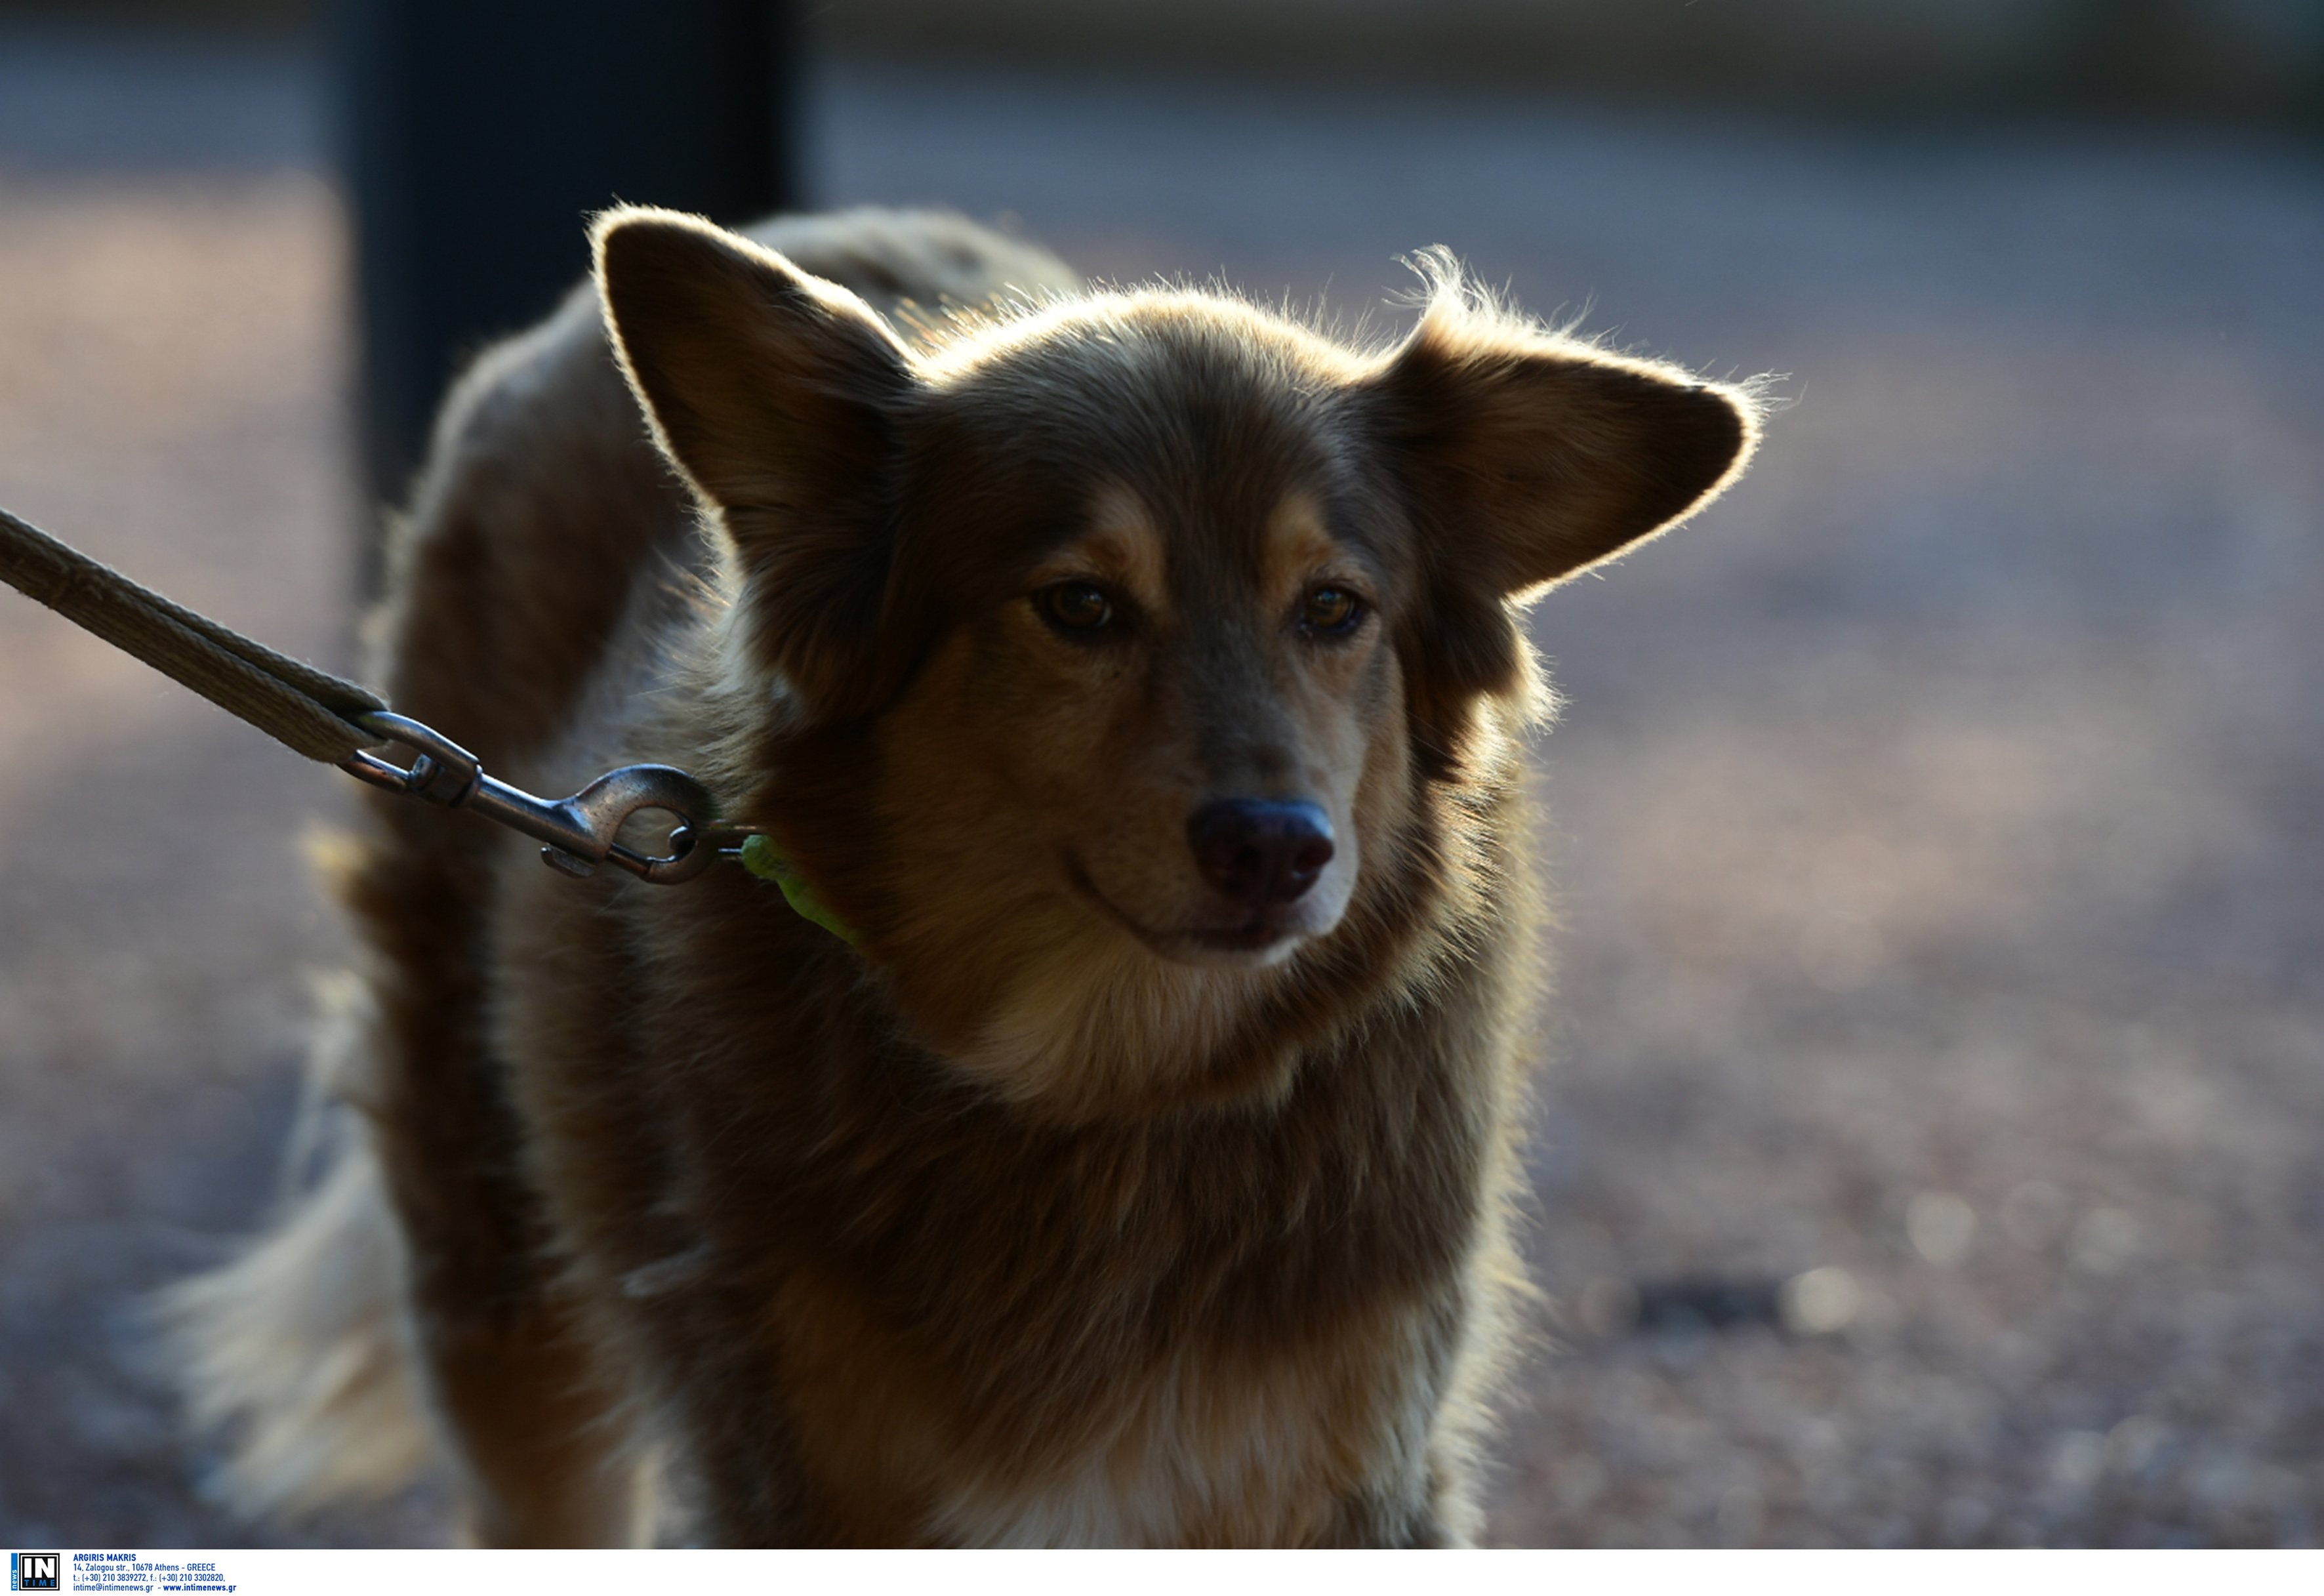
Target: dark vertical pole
x=480 y=135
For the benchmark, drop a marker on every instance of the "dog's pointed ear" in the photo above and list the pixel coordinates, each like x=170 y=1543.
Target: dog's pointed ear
x=1522 y=459
x=1527 y=458
x=775 y=394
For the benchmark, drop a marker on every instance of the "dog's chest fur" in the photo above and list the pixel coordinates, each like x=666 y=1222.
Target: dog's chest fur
x=953 y=1320
x=1226 y=1456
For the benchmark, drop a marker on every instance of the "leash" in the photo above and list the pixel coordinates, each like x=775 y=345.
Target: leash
x=333 y=722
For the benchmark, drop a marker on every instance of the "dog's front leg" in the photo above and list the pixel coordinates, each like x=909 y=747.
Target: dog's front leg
x=532 y=1432
x=525 y=1416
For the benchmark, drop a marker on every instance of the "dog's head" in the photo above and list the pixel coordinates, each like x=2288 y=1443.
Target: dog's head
x=1152 y=629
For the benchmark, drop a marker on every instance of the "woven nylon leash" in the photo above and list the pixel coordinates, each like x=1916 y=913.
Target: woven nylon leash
x=335 y=720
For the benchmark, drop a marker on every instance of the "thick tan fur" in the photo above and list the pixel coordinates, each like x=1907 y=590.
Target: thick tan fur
x=1081 y=1201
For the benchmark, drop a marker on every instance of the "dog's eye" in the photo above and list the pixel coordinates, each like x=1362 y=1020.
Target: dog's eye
x=1332 y=609
x=1074 y=606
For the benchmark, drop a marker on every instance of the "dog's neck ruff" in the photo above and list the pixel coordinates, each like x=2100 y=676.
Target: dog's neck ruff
x=762 y=859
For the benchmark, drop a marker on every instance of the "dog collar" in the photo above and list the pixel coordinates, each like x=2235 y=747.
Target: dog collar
x=762 y=859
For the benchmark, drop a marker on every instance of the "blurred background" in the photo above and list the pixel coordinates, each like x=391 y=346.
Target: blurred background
x=1931 y=1102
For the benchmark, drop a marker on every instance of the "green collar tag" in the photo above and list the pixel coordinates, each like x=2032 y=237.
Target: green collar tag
x=761 y=859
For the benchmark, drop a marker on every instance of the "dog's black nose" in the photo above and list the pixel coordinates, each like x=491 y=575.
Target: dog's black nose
x=1258 y=853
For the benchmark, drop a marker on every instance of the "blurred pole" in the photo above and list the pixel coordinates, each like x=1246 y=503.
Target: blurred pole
x=482 y=134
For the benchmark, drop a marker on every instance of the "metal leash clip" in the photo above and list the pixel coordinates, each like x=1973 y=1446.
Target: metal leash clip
x=578 y=831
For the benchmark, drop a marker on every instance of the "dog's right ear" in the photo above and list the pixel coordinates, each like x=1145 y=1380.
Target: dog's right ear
x=775 y=394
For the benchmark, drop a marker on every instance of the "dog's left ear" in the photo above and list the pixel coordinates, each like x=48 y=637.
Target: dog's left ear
x=776 y=393
x=1530 y=457
x=1524 y=458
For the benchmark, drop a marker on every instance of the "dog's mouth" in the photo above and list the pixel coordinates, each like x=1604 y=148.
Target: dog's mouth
x=1261 y=936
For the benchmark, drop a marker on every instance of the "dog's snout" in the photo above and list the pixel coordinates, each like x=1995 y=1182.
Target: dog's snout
x=1260 y=853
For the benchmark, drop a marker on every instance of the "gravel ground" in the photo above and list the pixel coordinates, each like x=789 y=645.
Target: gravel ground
x=1932 y=1100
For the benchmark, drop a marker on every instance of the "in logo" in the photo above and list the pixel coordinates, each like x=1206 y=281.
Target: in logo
x=34 y=1571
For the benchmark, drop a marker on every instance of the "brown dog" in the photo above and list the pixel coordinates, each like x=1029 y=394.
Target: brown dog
x=1135 y=678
